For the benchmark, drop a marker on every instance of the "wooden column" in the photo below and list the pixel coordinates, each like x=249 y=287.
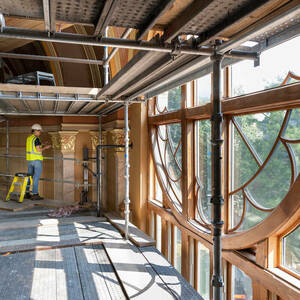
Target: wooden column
x=185 y=255
x=115 y=171
x=139 y=159
x=259 y=292
x=63 y=143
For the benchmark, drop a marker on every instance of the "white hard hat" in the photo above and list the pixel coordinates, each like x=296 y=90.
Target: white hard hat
x=36 y=127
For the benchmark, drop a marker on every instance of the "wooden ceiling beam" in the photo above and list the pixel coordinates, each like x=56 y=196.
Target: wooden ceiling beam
x=105 y=16
x=191 y=12
x=231 y=20
x=154 y=17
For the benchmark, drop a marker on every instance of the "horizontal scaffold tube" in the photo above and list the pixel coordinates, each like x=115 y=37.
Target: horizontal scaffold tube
x=51 y=58
x=45 y=158
x=64 y=99
x=69 y=38
x=78 y=185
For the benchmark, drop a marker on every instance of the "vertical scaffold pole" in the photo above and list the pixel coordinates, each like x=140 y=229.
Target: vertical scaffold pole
x=106 y=63
x=99 y=148
x=7 y=149
x=99 y=169
x=127 y=166
x=217 y=199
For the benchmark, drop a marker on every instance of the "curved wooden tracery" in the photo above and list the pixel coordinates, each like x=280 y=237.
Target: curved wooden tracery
x=280 y=217
x=247 y=197
x=164 y=143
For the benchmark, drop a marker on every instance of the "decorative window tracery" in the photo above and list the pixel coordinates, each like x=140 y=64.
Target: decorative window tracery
x=168 y=101
x=265 y=159
x=168 y=158
x=203 y=172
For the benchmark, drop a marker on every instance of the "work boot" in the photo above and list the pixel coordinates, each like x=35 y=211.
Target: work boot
x=36 y=197
x=27 y=195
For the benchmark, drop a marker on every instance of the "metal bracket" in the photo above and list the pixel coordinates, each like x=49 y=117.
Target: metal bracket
x=257 y=62
x=217 y=281
x=176 y=50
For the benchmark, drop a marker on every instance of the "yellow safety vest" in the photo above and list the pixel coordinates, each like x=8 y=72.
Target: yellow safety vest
x=31 y=152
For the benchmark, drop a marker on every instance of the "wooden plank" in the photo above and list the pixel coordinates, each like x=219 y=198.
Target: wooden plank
x=169 y=275
x=137 y=236
x=44 y=275
x=51 y=203
x=29 y=212
x=13 y=224
x=17 y=273
x=105 y=16
x=47 y=237
x=67 y=275
x=109 y=274
x=48 y=89
x=138 y=278
x=12 y=205
x=191 y=12
x=92 y=281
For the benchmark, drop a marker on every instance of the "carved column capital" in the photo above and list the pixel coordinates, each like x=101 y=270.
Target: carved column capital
x=94 y=135
x=64 y=140
x=118 y=136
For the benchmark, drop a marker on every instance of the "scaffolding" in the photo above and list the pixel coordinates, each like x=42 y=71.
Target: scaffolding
x=174 y=62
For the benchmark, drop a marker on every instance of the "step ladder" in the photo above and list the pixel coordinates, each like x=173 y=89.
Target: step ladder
x=18 y=187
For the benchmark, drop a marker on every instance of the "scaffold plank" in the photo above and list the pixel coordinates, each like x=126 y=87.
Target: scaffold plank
x=138 y=278
x=137 y=236
x=169 y=275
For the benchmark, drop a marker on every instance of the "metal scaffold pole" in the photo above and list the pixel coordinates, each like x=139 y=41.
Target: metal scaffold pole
x=99 y=169
x=106 y=62
x=7 y=149
x=127 y=166
x=217 y=199
x=99 y=148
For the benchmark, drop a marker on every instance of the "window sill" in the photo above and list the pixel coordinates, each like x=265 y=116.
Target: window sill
x=286 y=277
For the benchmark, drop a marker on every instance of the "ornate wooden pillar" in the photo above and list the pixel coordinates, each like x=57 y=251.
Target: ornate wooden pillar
x=63 y=143
x=116 y=137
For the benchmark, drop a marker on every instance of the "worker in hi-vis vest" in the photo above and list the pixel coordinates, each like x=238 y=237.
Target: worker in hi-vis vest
x=34 y=157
